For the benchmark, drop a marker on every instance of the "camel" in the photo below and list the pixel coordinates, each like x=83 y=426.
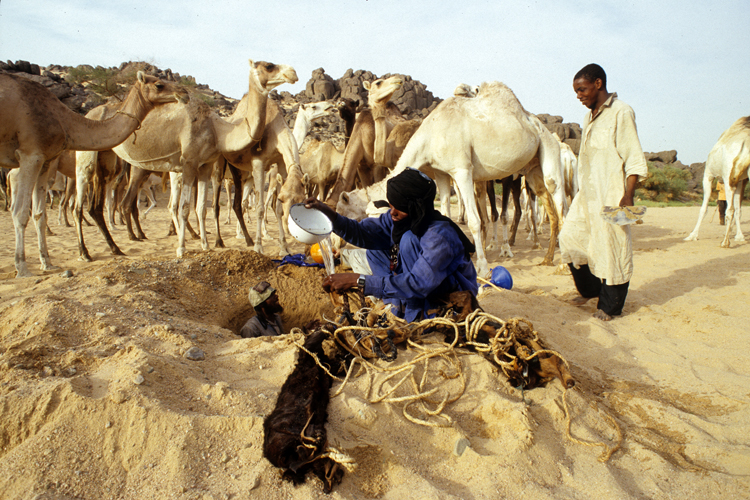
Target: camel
x=190 y=138
x=306 y=115
x=729 y=160
x=277 y=146
x=322 y=160
x=36 y=127
x=490 y=136
x=379 y=136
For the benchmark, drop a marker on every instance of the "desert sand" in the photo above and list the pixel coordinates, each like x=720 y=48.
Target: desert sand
x=98 y=400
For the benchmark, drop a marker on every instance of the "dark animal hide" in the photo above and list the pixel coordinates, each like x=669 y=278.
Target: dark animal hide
x=294 y=432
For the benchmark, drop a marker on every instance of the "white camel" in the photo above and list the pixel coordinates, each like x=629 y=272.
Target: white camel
x=36 y=127
x=729 y=160
x=476 y=139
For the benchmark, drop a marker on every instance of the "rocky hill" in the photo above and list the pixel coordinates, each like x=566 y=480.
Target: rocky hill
x=84 y=87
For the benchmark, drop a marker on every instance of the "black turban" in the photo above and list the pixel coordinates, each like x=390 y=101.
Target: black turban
x=413 y=193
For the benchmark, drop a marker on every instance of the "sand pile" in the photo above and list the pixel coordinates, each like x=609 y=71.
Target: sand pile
x=98 y=399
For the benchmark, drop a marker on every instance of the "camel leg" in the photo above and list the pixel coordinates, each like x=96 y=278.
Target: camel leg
x=217 y=176
x=732 y=200
x=204 y=174
x=62 y=209
x=488 y=191
x=85 y=166
x=151 y=200
x=535 y=179
x=39 y=199
x=183 y=206
x=505 y=250
x=130 y=203
x=533 y=209
x=237 y=202
x=96 y=211
x=704 y=206
x=443 y=182
x=738 y=203
x=246 y=204
x=516 y=193
x=260 y=209
x=465 y=185
x=21 y=183
x=228 y=189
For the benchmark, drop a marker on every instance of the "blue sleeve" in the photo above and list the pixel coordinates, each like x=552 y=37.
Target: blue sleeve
x=372 y=233
x=440 y=257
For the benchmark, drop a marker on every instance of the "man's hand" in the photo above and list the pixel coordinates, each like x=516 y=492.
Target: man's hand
x=627 y=198
x=341 y=282
x=322 y=207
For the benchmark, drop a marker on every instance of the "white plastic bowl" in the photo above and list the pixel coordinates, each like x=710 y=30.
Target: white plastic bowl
x=308 y=225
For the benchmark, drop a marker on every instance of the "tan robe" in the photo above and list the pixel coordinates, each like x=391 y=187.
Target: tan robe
x=610 y=152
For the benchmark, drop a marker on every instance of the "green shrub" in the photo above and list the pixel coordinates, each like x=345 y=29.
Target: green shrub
x=663 y=184
x=205 y=98
x=103 y=81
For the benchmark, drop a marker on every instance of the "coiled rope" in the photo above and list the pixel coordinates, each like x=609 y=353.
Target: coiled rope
x=430 y=402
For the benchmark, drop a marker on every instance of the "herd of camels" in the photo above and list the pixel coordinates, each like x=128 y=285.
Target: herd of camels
x=479 y=134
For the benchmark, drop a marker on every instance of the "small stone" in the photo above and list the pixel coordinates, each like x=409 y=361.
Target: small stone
x=460 y=446
x=108 y=425
x=195 y=354
x=66 y=274
x=138 y=380
x=100 y=315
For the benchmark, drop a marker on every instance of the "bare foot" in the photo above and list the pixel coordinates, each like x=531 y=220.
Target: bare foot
x=599 y=314
x=578 y=301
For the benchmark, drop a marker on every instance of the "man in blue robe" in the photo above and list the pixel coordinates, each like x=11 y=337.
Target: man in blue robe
x=417 y=256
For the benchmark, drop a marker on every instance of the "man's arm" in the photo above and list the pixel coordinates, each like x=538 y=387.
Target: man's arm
x=630 y=184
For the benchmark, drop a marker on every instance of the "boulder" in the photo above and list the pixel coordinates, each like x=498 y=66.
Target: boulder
x=663 y=156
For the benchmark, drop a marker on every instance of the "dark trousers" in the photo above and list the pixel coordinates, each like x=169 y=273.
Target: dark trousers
x=611 y=297
x=722 y=205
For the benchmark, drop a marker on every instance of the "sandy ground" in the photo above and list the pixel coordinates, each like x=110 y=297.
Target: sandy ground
x=98 y=401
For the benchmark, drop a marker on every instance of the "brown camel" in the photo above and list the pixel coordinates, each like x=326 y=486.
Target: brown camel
x=322 y=160
x=378 y=138
x=190 y=138
x=36 y=127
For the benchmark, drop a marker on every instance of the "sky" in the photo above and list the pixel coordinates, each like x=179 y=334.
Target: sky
x=683 y=66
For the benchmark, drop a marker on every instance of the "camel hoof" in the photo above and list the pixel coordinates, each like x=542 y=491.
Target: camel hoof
x=219 y=244
x=180 y=253
x=505 y=251
x=691 y=237
x=739 y=238
x=117 y=251
x=562 y=270
x=537 y=246
x=49 y=267
x=725 y=243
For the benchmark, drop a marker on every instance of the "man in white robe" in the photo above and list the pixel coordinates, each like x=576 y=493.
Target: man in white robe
x=610 y=164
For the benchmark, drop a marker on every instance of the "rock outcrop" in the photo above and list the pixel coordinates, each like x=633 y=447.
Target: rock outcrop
x=413 y=99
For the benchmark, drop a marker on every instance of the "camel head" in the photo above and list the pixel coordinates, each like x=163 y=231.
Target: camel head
x=158 y=91
x=353 y=205
x=466 y=90
x=315 y=110
x=267 y=76
x=381 y=89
